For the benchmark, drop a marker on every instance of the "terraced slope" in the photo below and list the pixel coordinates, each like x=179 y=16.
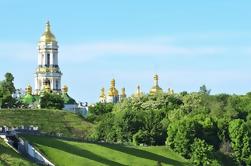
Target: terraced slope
x=66 y=153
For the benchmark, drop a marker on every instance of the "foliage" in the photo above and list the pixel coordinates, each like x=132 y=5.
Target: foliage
x=202 y=153
x=7 y=88
x=181 y=135
x=51 y=101
x=240 y=141
x=96 y=111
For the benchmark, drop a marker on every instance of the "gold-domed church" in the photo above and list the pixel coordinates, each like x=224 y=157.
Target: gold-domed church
x=113 y=95
x=48 y=74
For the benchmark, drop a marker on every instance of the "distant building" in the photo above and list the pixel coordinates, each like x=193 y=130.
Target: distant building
x=48 y=72
x=113 y=95
x=48 y=76
x=155 y=89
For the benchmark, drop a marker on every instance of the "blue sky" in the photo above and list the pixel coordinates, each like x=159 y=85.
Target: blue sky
x=188 y=43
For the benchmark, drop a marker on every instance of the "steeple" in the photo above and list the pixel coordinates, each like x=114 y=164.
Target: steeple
x=170 y=91
x=113 y=96
x=123 y=94
x=155 y=89
x=48 y=36
x=65 y=89
x=48 y=71
x=102 y=97
x=138 y=92
x=28 y=90
x=113 y=91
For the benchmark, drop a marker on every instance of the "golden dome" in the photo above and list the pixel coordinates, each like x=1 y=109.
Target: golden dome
x=113 y=91
x=47 y=36
x=156 y=89
x=138 y=92
x=28 y=89
x=102 y=94
x=65 y=89
x=123 y=94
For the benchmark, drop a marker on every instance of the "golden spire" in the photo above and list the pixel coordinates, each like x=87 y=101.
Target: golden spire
x=47 y=35
x=170 y=91
x=138 y=92
x=156 y=89
x=123 y=94
x=65 y=89
x=102 y=94
x=28 y=90
x=102 y=97
x=113 y=91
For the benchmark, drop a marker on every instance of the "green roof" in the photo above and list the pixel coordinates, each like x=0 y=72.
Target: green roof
x=28 y=99
x=68 y=99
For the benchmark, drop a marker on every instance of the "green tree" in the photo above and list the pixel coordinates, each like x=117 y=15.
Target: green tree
x=180 y=136
x=240 y=141
x=7 y=89
x=51 y=100
x=202 y=153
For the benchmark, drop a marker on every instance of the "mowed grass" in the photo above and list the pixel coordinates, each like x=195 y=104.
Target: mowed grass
x=70 y=153
x=8 y=157
x=49 y=121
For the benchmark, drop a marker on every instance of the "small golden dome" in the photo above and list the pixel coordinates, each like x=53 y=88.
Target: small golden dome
x=123 y=93
x=138 y=92
x=47 y=36
x=113 y=91
x=65 y=89
x=102 y=94
x=28 y=89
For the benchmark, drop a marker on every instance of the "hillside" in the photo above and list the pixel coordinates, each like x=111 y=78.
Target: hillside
x=9 y=157
x=64 y=153
x=49 y=121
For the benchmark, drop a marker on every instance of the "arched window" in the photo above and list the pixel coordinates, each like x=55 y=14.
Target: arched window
x=48 y=59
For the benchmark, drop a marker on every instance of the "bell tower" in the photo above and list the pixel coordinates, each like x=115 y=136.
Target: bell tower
x=48 y=73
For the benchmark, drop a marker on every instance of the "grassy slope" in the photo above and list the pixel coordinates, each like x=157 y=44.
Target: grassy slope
x=9 y=157
x=51 y=121
x=65 y=153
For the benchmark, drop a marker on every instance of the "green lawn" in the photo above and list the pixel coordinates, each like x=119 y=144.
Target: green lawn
x=50 y=121
x=69 y=153
x=8 y=157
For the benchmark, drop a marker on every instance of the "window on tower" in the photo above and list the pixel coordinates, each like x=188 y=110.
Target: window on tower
x=57 y=84
x=48 y=59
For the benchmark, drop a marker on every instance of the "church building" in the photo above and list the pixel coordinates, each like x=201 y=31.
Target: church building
x=48 y=73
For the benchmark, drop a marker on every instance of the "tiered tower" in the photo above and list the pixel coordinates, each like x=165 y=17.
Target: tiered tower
x=48 y=74
x=113 y=96
x=156 y=89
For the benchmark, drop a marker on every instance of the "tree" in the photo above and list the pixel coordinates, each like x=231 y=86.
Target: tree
x=240 y=141
x=202 y=153
x=180 y=136
x=8 y=83
x=204 y=90
x=51 y=100
x=7 y=88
